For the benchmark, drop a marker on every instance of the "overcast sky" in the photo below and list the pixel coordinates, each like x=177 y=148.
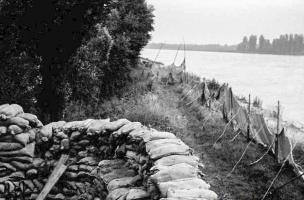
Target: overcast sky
x=224 y=21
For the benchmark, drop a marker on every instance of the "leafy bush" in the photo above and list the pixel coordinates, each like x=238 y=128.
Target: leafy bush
x=257 y=102
x=213 y=85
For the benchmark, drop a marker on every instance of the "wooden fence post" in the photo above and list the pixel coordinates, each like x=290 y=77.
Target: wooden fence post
x=231 y=103
x=277 y=134
x=249 y=112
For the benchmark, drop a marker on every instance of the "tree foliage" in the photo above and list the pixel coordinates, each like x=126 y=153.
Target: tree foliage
x=102 y=64
x=51 y=51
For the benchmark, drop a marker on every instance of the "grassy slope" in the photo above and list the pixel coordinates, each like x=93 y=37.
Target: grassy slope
x=164 y=108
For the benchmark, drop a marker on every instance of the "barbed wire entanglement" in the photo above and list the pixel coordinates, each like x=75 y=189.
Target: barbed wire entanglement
x=252 y=124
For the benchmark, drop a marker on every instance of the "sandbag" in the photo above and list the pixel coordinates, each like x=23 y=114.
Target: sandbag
x=126 y=129
x=156 y=143
x=138 y=134
x=11 y=110
x=106 y=168
x=47 y=130
x=116 y=174
x=29 y=184
x=64 y=144
x=33 y=119
x=28 y=150
x=88 y=161
x=132 y=155
x=2 y=188
x=71 y=175
x=7 y=138
x=98 y=126
x=31 y=173
x=174 y=172
x=13 y=176
x=10 y=186
x=111 y=163
x=8 y=166
x=86 y=168
x=23 y=159
x=73 y=168
x=122 y=182
x=32 y=135
x=78 y=125
x=182 y=184
x=75 y=135
x=38 y=184
x=3 y=130
x=10 y=146
x=61 y=135
x=177 y=159
x=168 y=150
x=137 y=194
x=37 y=162
x=71 y=184
x=118 y=194
x=14 y=130
x=3 y=106
x=15 y=121
x=155 y=135
x=193 y=193
x=23 y=138
x=115 y=125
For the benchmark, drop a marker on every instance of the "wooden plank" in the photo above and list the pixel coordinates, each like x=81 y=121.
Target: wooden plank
x=54 y=177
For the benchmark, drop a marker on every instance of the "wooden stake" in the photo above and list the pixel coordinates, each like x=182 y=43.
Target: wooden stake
x=231 y=103
x=249 y=112
x=54 y=177
x=277 y=134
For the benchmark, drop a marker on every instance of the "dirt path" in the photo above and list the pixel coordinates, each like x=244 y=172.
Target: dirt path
x=201 y=131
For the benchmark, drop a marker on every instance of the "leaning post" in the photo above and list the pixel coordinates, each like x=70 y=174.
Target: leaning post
x=278 y=133
x=249 y=112
x=231 y=104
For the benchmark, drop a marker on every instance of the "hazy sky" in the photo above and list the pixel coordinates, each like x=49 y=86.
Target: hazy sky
x=225 y=21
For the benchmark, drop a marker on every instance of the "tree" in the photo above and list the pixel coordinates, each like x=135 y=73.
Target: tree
x=45 y=43
x=252 y=46
x=89 y=67
x=243 y=47
x=102 y=64
x=262 y=44
x=52 y=31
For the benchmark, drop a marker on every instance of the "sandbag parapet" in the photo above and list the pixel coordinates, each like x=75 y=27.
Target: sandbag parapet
x=107 y=160
x=18 y=131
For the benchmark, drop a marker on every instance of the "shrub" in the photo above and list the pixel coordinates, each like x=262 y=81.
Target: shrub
x=257 y=102
x=213 y=85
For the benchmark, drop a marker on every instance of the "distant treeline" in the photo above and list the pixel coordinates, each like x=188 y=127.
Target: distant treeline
x=193 y=47
x=291 y=44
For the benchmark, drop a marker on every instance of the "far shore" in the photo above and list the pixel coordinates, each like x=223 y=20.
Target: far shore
x=226 y=51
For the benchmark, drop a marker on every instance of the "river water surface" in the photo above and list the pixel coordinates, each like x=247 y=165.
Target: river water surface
x=269 y=77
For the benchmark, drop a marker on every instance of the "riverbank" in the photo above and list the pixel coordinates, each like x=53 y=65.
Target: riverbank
x=164 y=107
x=269 y=77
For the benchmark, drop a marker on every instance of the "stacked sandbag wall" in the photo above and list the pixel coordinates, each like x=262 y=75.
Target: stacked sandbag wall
x=17 y=148
x=114 y=160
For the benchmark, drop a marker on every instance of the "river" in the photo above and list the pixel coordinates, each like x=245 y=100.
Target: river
x=269 y=77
